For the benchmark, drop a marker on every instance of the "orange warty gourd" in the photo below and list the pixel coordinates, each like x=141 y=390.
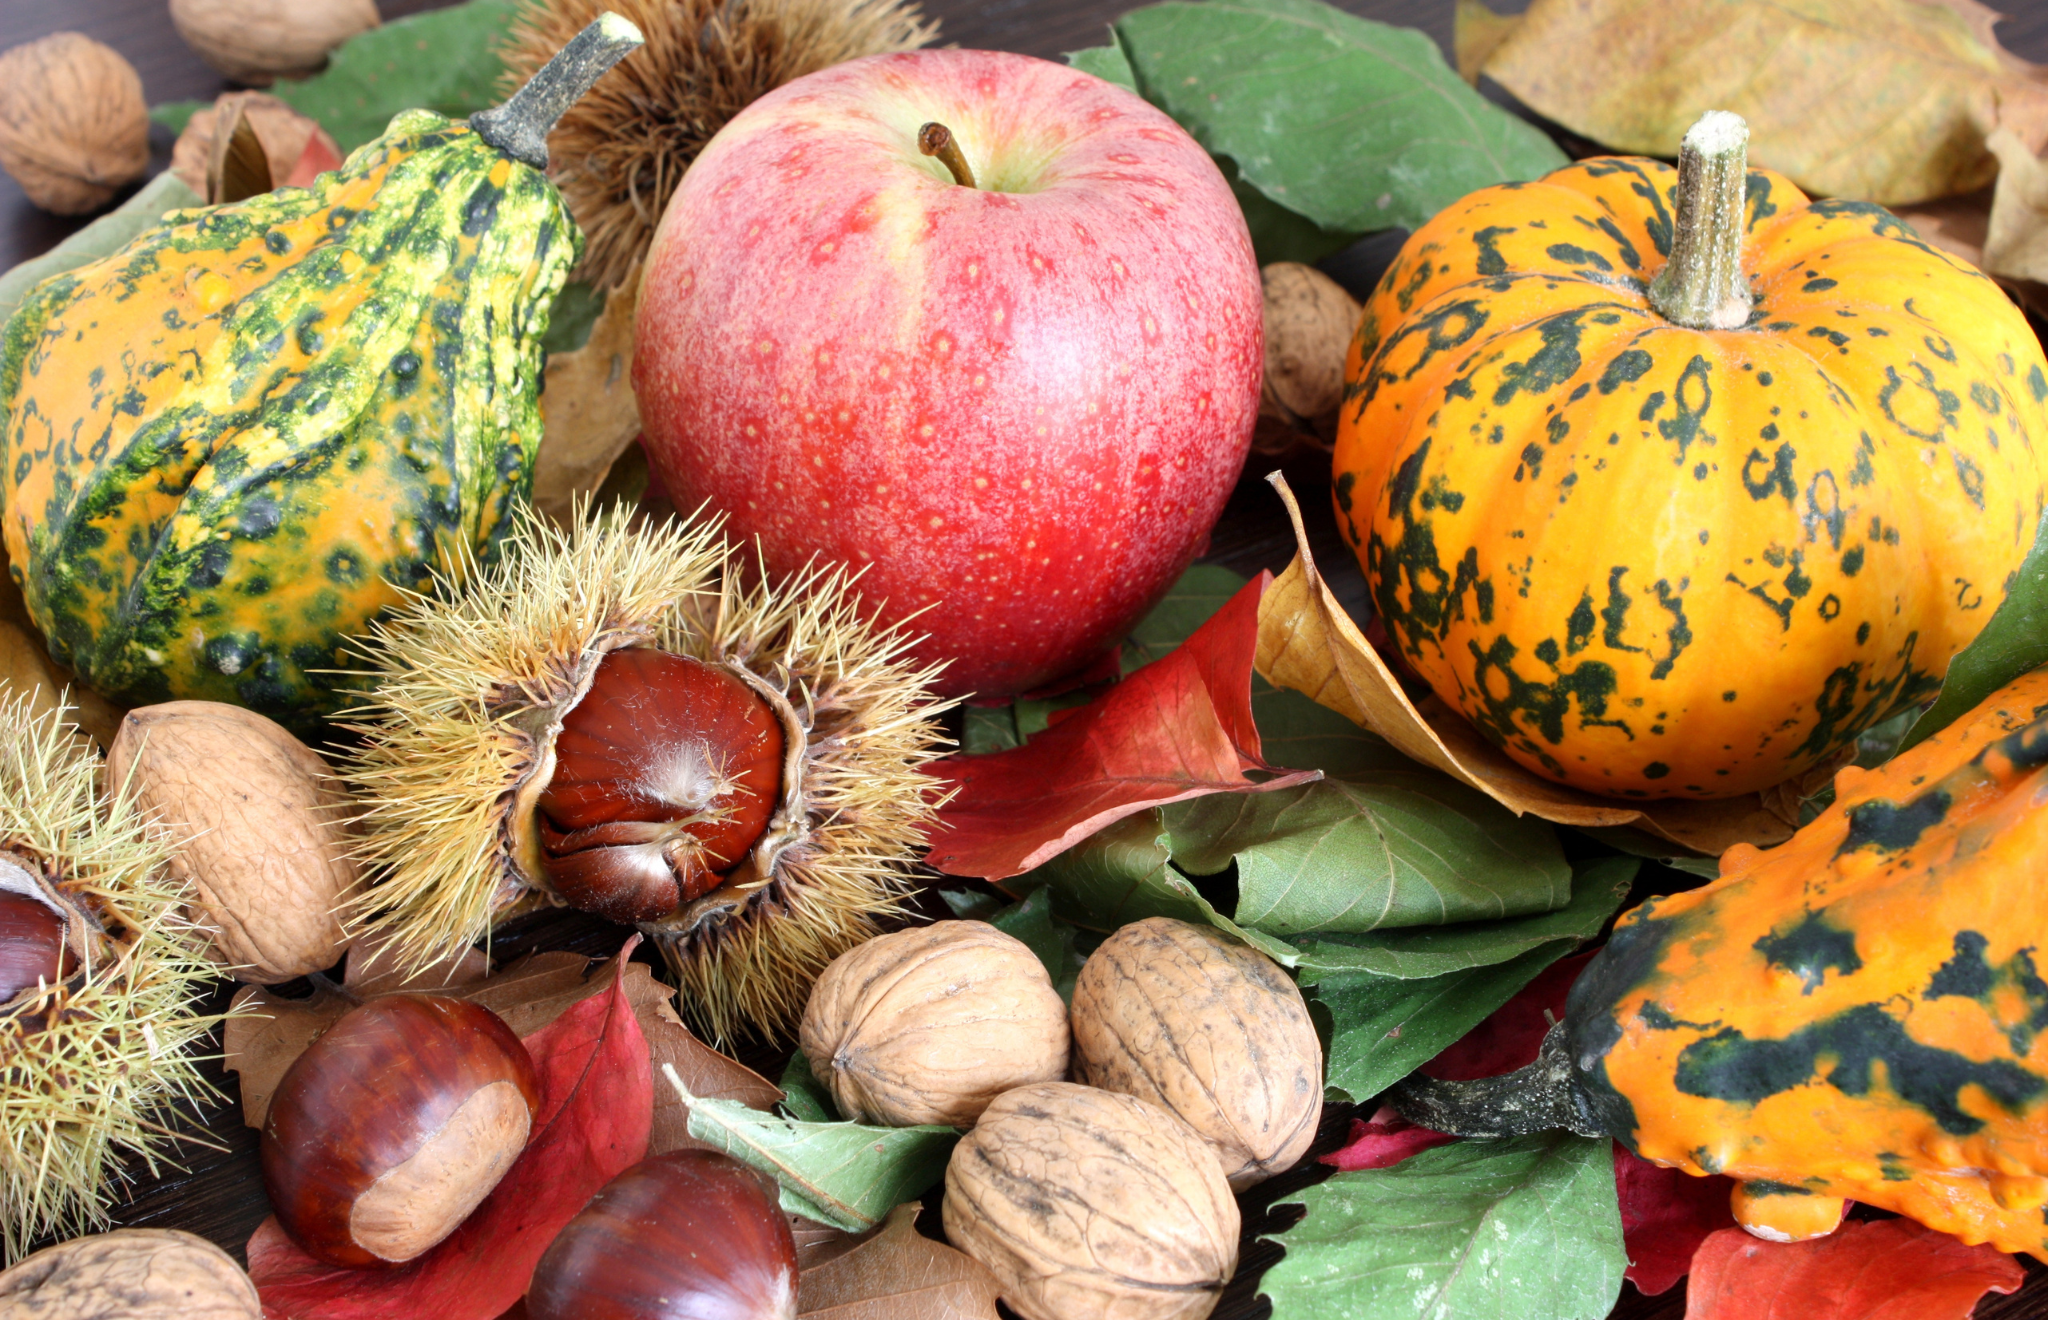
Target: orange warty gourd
x=1857 y=1014
x=1672 y=481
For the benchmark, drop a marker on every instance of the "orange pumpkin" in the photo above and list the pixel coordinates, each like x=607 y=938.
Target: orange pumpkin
x=1652 y=558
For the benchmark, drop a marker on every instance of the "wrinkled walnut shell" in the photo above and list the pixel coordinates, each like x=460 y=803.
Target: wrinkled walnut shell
x=129 y=1274
x=1309 y=322
x=261 y=829
x=255 y=41
x=1190 y=1020
x=1088 y=1203
x=73 y=126
x=929 y=1024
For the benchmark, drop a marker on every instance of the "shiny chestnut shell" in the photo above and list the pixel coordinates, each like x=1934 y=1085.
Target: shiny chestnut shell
x=689 y=1235
x=31 y=944
x=393 y=1125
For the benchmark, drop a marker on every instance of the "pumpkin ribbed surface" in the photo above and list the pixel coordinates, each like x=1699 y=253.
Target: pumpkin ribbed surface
x=227 y=446
x=1859 y=1013
x=1648 y=560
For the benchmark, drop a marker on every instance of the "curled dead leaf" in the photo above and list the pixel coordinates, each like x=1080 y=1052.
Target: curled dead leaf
x=587 y=408
x=1308 y=642
x=1883 y=100
x=894 y=1273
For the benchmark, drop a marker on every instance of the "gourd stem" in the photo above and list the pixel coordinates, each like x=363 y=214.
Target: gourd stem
x=1538 y=1098
x=936 y=139
x=520 y=127
x=1703 y=286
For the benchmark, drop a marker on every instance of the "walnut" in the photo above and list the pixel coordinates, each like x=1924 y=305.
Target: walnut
x=129 y=1274
x=1188 y=1019
x=1088 y=1203
x=928 y=1025
x=73 y=126
x=262 y=830
x=1310 y=321
x=256 y=41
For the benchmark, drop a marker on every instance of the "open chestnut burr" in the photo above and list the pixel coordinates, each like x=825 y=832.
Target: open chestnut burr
x=394 y=1125
x=688 y=1235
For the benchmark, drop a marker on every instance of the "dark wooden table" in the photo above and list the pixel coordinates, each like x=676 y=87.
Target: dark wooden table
x=219 y=1194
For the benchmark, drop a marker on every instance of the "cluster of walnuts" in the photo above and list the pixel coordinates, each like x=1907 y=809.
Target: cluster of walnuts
x=1197 y=1073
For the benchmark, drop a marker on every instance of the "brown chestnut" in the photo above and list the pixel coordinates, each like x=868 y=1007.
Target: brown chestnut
x=31 y=944
x=689 y=1235
x=393 y=1125
x=666 y=772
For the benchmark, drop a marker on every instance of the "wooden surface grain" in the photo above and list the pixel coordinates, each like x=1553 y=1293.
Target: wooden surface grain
x=218 y=1193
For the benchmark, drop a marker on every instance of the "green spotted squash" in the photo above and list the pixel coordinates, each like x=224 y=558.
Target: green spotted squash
x=1673 y=482
x=226 y=448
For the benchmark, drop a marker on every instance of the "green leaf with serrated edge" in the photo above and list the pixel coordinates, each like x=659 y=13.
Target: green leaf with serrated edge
x=2015 y=642
x=1105 y=62
x=1528 y=1227
x=1599 y=888
x=1355 y=125
x=1123 y=874
x=1031 y=921
x=848 y=1175
x=973 y=904
x=1297 y=730
x=576 y=309
x=1187 y=605
x=1383 y=1028
x=1406 y=847
x=104 y=236
x=804 y=1098
x=1637 y=843
x=444 y=60
x=989 y=729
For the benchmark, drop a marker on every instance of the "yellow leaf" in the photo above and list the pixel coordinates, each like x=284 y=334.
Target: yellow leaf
x=1478 y=31
x=1883 y=100
x=1308 y=643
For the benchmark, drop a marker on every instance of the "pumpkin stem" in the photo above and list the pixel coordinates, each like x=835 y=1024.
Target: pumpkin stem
x=520 y=127
x=1703 y=286
x=1538 y=1098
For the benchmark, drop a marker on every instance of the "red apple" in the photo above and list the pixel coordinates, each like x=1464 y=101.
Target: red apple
x=1020 y=403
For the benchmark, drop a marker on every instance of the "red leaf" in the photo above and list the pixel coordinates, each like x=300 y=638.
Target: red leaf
x=1665 y=1215
x=597 y=1104
x=1512 y=1036
x=1386 y=1139
x=1885 y=1269
x=1180 y=727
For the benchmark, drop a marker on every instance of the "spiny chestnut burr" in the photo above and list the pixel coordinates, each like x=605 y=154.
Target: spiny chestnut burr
x=394 y=1125
x=689 y=1235
x=665 y=774
x=31 y=944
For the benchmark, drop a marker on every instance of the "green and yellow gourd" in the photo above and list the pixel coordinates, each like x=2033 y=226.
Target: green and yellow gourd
x=1858 y=1014
x=1673 y=482
x=226 y=448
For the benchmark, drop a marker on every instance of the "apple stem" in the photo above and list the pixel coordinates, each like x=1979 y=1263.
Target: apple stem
x=935 y=139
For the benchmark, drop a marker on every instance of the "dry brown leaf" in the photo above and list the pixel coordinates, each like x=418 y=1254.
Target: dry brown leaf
x=26 y=666
x=1956 y=225
x=283 y=133
x=817 y=1243
x=2016 y=237
x=1478 y=30
x=1885 y=100
x=1307 y=642
x=898 y=1274
x=587 y=408
x=268 y=1031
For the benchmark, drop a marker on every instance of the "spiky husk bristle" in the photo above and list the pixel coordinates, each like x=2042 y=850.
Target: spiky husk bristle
x=463 y=677
x=619 y=152
x=91 y=1069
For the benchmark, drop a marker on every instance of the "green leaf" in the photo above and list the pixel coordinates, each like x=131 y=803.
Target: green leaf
x=973 y=904
x=1384 y=848
x=1187 y=605
x=104 y=236
x=1525 y=1229
x=1123 y=874
x=2015 y=642
x=1641 y=843
x=1598 y=890
x=174 y=115
x=1105 y=62
x=444 y=60
x=1354 y=125
x=848 y=1175
x=576 y=309
x=1383 y=1028
x=1053 y=941
x=804 y=1098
